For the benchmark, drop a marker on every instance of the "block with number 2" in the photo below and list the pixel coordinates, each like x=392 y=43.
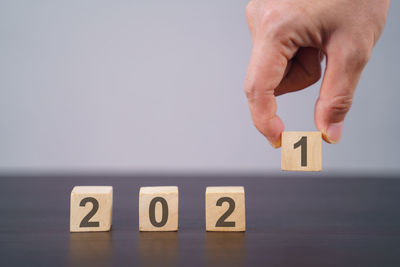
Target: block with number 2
x=91 y=208
x=225 y=209
x=301 y=151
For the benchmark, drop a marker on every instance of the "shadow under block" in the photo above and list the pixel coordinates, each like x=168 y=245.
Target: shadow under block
x=91 y=208
x=225 y=209
x=158 y=208
x=301 y=151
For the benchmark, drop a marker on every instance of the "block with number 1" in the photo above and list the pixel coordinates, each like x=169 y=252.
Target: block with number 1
x=301 y=151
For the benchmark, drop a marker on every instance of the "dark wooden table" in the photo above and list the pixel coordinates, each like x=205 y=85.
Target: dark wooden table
x=292 y=220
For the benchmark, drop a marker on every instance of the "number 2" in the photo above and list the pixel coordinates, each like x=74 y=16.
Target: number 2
x=221 y=221
x=85 y=221
x=303 y=144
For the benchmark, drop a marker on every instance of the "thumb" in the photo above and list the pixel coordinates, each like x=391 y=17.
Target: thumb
x=343 y=70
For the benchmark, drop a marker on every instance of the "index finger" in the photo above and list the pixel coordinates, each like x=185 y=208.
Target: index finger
x=265 y=72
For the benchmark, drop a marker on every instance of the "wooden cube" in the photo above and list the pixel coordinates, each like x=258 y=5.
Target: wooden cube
x=301 y=151
x=158 y=208
x=91 y=208
x=225 y=209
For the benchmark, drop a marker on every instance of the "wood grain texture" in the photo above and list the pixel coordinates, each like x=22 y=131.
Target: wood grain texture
x=149 y=194
x=104 y=197
x=291 y=157
x=214 y=211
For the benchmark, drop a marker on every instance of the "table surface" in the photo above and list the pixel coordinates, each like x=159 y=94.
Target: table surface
x=292 y=220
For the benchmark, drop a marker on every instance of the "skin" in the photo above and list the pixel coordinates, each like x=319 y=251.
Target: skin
x=290 y=39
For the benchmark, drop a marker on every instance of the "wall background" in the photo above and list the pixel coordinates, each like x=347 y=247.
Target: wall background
x=157 y=86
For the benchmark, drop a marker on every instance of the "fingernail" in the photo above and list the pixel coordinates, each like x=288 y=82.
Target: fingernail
x=321 y=55
x=276 y=144
x=334 y=132
x=277 y=126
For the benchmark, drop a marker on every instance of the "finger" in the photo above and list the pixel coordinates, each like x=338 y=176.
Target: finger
x=305 y=70
x=344 y=66
x=266 y=69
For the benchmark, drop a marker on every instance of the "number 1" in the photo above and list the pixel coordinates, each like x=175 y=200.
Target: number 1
x=303 y=143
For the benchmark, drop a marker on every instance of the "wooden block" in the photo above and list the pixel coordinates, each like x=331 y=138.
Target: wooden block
x=225 y=209
x=158 y=208
x=301 y=151
x=91 y=208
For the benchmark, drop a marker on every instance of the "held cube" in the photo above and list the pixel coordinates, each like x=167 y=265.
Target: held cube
x=225 y=209
x=91 y=208
x=301 y=151
x=158 y=208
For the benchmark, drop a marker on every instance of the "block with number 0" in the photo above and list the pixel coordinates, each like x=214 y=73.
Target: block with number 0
x=91 y=208
x=158 y=208
x=301 y=151
x=225 y=209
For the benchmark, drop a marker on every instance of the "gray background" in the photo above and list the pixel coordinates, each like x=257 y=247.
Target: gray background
x=157 y=86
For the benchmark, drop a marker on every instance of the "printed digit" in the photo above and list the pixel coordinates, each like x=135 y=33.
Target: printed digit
x=152 y=211
x=221 y=221
x=85 y=221
x=303 y=144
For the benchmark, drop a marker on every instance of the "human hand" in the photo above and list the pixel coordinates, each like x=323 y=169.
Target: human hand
x=290 y=38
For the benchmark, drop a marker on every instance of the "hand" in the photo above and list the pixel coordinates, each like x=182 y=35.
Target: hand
x=290 y=38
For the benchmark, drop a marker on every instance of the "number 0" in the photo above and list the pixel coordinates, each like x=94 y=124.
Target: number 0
x=152 y=211
x=303 y=143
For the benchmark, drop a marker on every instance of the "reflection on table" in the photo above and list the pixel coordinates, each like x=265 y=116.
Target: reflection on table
x=225 y=248
x=158 y=248
x=90 y=249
